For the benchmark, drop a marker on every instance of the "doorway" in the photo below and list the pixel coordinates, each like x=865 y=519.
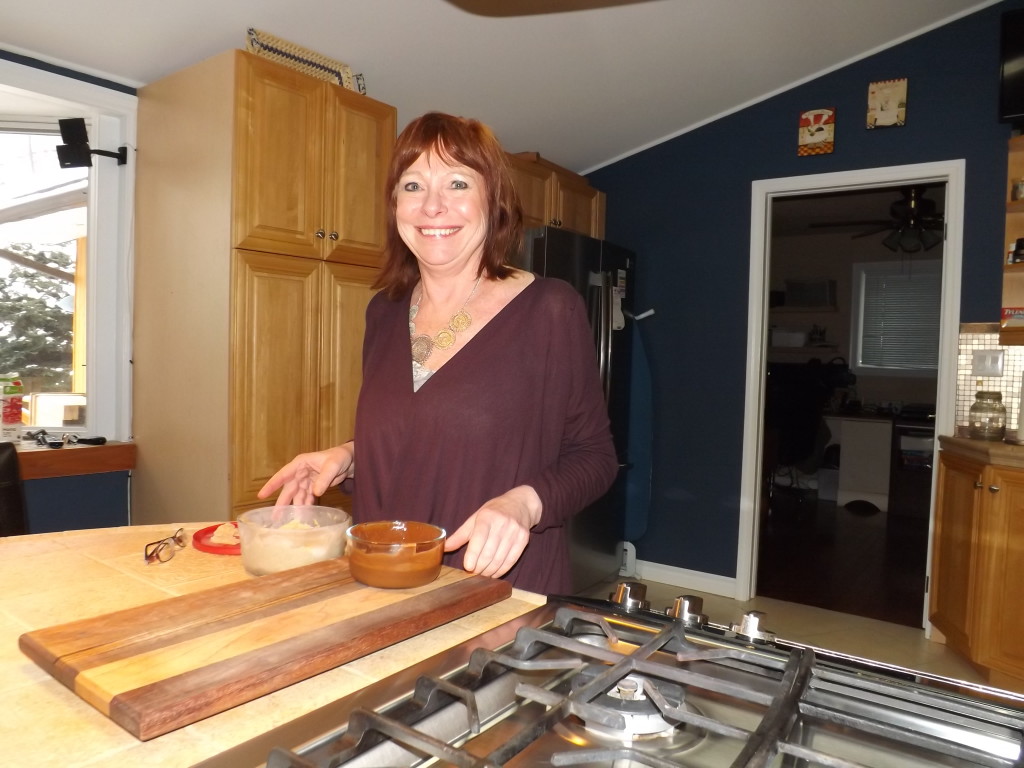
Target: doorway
x=844 y=510
x=764 y=195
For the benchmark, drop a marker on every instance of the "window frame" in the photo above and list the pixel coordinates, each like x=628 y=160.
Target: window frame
x=859 y=270
x=112 y=123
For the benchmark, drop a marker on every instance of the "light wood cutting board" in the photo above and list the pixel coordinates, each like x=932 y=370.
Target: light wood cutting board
x=162 y=666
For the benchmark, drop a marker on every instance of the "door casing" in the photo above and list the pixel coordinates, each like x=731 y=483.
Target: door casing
x=763 y=192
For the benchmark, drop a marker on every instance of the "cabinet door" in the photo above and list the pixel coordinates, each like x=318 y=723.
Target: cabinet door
x=954 y=563
x=279 y=160
x=359 y=137
x=535 y=187
x=578 y=206
x=999 y=642
x=345 y=294
x=274 y=364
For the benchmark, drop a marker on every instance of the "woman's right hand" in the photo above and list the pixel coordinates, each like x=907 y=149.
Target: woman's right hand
x=308 y=476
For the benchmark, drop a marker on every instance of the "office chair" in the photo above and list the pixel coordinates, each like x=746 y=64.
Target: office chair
x=13 y=518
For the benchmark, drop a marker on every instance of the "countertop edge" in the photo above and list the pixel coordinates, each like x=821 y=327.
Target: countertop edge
x=38 y=462
x=984 y=451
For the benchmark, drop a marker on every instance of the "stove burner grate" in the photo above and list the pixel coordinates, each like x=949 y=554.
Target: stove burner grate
x=616 y=690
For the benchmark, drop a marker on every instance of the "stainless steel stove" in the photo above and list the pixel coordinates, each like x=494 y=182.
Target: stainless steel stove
x=583 y=682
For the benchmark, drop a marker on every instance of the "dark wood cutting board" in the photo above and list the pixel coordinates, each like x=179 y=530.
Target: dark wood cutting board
x=158 y=667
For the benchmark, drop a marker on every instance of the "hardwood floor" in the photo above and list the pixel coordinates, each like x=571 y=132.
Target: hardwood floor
x=860 y=561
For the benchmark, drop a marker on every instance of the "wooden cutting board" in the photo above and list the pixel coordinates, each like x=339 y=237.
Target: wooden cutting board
x=158 y=667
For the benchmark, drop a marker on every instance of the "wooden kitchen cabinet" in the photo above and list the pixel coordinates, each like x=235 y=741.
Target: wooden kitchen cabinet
x=977 y=564
x=313 y=161
x=954 y=556
x=554 y=196
x=242 y=357
x=1011 y=330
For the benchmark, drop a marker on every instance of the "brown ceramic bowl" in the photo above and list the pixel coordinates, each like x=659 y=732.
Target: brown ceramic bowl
x=395 y=554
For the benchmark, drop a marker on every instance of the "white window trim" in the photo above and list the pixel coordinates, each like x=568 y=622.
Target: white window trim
x=112 y=118
x=934 y=266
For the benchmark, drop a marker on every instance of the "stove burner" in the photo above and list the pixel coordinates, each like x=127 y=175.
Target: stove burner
x=639 y=714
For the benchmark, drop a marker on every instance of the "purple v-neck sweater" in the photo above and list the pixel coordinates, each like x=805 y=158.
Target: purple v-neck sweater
x=519 y=404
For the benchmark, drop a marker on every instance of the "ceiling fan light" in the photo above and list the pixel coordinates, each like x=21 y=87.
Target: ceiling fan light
x=910 y=241
x=892 y=240
x=930 y=239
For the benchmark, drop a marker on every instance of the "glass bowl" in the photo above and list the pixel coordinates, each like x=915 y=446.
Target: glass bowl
x=278 y=538
x=395 y=554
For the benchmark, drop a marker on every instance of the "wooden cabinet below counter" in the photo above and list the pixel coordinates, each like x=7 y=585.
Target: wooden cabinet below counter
x=977 y=568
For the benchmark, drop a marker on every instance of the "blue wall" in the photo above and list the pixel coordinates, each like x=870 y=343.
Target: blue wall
x=684 y=207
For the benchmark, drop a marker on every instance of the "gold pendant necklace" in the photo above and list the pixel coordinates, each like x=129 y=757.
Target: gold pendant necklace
x=423 y=345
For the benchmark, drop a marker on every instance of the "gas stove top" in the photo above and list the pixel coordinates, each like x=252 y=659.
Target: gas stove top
x=613 y=683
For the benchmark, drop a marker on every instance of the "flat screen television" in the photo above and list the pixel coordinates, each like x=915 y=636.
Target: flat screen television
x=1011 y=93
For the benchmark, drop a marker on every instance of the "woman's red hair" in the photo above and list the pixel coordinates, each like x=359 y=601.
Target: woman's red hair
x=456 y=141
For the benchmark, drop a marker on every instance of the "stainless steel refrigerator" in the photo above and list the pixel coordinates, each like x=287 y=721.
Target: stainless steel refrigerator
x=603 y=274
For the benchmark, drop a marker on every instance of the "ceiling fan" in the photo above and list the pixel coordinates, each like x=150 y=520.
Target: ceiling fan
x=534 y=7
x=914 y=223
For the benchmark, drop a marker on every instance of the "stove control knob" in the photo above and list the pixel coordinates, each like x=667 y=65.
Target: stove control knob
x=750 y=629
x=687 y=609
x=631 y=595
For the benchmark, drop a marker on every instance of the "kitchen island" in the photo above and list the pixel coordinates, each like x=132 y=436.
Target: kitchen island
x=54 y=578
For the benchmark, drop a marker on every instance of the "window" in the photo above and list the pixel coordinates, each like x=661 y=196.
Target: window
x=87 y=269
x=43 y=220
x=895 y=321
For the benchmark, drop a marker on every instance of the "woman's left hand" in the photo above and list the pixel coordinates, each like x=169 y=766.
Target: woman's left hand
x=497 y=533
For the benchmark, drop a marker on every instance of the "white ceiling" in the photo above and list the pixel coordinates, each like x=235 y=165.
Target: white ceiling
x=583 y=87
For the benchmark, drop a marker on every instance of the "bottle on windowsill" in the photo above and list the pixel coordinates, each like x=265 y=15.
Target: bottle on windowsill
x=11 y=397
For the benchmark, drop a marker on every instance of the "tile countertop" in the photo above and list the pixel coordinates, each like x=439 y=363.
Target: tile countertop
x=54 y=578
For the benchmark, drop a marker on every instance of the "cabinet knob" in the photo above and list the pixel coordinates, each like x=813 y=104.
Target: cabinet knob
x=319 y=234
x=333 y=235
x=993 y=489
x=978 y=484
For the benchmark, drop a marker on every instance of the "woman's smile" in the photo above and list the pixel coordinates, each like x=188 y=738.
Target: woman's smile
x=438 y=232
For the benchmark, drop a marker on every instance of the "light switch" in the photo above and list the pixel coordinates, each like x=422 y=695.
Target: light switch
x=987 y=362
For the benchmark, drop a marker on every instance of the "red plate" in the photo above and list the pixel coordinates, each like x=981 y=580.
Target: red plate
x=201 y=541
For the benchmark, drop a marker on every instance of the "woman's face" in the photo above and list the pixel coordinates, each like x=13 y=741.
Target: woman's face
x=441 y=212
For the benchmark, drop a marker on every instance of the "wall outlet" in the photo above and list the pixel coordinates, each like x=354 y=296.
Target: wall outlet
x=987 y=362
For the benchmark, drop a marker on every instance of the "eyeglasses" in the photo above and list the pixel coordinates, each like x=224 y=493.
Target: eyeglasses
x=163 y=550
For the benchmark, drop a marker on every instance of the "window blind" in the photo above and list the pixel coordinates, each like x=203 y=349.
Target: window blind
x=899 y=312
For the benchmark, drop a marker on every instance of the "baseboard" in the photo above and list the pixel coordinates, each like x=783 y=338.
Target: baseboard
x=696 y=581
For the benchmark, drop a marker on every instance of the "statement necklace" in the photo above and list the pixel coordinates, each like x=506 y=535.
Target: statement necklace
x=423 y=345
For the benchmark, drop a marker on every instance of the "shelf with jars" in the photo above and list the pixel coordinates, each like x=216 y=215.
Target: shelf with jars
x=1011 y=329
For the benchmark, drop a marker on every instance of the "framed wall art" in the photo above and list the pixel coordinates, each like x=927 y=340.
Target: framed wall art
x=817 y=132
x=887 y=103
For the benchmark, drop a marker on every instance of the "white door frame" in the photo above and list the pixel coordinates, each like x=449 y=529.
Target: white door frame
x=951 y=172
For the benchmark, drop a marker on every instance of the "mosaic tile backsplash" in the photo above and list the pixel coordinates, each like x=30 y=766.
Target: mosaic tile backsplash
x=985 y=336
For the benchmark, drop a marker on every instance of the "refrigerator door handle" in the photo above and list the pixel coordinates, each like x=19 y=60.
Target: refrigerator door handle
x=606 y=333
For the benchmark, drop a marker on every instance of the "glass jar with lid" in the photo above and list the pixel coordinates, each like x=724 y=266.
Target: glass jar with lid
x=987 y=416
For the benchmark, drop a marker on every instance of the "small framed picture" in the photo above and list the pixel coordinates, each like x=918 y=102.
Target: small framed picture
x=817 y=132
x=887 y=103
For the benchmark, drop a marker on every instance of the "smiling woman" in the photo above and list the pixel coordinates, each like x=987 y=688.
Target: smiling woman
x=67 y=337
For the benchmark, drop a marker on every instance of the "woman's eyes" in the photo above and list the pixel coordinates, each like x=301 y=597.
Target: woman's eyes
x=414 y=186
